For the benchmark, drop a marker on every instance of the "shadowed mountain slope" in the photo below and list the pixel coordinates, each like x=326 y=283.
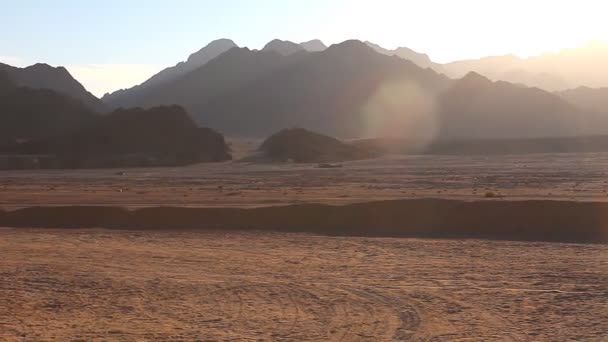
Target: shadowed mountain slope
x=475 y=107
x=57 y=79
x=30 y=114
x=134 y=96
x=349 y=89
x=231 y=70
x=326 y=91
x=591 y=99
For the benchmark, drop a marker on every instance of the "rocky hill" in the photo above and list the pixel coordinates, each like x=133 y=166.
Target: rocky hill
x=160 y=136
x=303 y=146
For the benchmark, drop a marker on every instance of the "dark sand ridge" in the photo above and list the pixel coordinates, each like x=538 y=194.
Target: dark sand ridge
x=510 y=220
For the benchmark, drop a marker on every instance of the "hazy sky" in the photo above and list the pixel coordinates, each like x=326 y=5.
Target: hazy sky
x=114 y=44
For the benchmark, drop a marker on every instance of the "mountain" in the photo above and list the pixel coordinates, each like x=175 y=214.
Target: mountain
x=57 y=79
x=314 y=45
x=122 y=98
x=475 y=107
x=29 y=114
x=420 y=59
x=566 y=69
x=160 y=136
x=328 y=92
x=283 y=47
x=591 y=99
x=229 y=71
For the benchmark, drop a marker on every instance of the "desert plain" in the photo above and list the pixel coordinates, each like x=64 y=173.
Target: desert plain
x=576 y=177
x=213 y=285
x=84 y=285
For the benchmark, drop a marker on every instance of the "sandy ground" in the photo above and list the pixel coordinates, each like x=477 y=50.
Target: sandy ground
x=237 y=184
x=85 y=285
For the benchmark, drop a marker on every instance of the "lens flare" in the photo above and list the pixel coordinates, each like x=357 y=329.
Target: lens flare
x=401 y=111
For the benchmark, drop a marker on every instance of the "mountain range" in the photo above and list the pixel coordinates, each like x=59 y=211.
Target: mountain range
x=566 y=69
x=357 y=89
x=128 y=97
x=325 y=91
x=562 y=70
x=475 y=107
x=350 y=90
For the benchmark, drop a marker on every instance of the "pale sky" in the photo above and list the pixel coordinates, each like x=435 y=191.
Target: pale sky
x=115 y=44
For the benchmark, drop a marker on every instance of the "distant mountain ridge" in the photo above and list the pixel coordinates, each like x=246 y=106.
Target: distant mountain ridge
x=324 y=92
x=591 y=99
x=283 y=47
x=58 y=79
x=420 y=59
x=124 y=97
x=128 y=97
x=314 y=45
x=566 y=69
x=475 y=107
x=231 y=70
x=194 y=61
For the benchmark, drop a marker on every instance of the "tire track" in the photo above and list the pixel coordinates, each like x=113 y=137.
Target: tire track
x=336 y=313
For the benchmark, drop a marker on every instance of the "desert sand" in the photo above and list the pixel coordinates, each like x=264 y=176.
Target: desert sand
x=83 y=285
x=578 y=177
x=126 y=285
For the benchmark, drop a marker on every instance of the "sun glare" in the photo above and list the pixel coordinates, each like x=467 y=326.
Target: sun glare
x=451 y=30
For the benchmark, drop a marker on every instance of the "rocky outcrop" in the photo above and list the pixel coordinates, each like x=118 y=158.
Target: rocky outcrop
x=303 y=146
x=161 y=136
